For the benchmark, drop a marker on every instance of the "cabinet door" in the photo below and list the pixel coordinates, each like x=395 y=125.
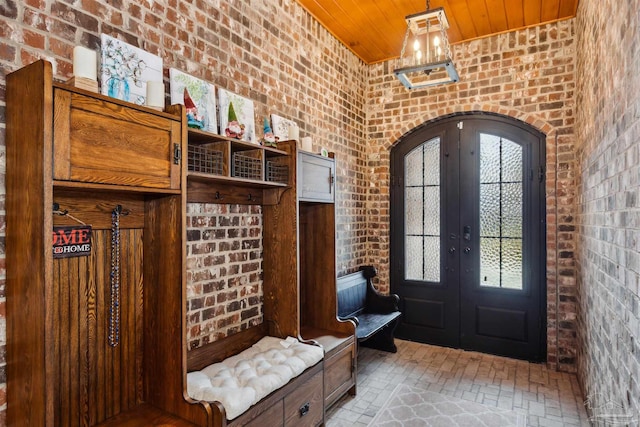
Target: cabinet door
x=316 y=178
x=96 y=141
x=339 y=373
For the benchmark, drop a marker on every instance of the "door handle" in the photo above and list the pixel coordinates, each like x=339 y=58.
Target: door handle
x=466 y=233
x=452 y=250
x=467 y=250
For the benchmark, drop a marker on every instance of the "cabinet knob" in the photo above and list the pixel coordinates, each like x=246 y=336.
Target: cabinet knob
x=304 y=409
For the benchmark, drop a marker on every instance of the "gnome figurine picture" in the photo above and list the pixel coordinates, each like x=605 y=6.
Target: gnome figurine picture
x=234 y=128
x=194 y=120
x=236 y=117
x=269 y=139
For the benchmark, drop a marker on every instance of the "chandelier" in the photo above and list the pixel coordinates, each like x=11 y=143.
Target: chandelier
x=428 y=61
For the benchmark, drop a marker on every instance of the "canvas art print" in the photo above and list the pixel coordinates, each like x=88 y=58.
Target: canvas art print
x=236 y=116
x=281 y=126
x=125 y=70
x=199 y=98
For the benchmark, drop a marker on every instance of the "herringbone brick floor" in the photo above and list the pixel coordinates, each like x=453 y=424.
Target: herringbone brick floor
x=548 y=398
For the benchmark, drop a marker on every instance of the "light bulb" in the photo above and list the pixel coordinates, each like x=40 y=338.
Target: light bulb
x=418 y=55
x=436 y=41
x=416 y=45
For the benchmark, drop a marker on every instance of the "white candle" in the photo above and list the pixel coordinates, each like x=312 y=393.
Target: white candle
x=294 y=132
x=155 y=94
x=306 y=143
x=85 y=63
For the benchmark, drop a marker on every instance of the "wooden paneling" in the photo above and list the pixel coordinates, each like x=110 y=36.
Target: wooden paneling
x=95 y=381
x=374 y=30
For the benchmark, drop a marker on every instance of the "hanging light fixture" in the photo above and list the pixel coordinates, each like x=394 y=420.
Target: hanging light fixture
x=428 y=60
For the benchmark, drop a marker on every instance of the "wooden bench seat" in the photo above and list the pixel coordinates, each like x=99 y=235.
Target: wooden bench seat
x=299 y=402
x=376 y=315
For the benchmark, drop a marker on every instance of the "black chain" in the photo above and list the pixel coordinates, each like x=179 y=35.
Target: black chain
x=114 y=307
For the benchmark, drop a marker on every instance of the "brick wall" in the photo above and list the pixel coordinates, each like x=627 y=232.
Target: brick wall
x=272 y=52
x=608 y=259
x=224 y=270
x=528 y=75
x=277 y=55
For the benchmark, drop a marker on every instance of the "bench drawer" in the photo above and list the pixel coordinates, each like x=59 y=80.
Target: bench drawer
x=271 y=417
x=303 y=407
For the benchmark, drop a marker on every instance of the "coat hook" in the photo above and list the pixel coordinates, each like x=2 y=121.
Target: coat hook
x=219 y=196
x=250 y=197
x=121 y=211
x=57 y=211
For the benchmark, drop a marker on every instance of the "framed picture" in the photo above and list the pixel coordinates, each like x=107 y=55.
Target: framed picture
x=199 y=98
x=126 y=69
x=236 y=116
x=280 y=126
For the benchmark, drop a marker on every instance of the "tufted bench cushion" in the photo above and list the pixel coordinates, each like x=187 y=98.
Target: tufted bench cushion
x=242 y=380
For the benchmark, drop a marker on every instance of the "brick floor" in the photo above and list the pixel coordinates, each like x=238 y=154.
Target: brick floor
x=547 y=397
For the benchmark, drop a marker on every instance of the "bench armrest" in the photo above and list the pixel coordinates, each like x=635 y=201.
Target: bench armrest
x=377 y=302
x=354 y=318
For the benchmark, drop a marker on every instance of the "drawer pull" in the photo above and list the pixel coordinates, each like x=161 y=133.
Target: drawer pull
x=304 y=409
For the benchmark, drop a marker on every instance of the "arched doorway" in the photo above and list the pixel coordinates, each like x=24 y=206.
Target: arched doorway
x=467 y=235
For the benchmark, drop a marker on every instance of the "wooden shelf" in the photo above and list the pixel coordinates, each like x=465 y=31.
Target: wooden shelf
x=242 y=182
x=235 y=167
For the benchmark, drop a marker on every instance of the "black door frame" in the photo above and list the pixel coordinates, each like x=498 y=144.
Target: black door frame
x=411 y=140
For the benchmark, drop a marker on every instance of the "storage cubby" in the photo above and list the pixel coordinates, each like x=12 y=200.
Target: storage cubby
x=235 y=159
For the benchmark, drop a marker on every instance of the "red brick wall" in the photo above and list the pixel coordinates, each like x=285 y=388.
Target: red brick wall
x=274 y=53
x=528 y=75
x=224 y=270
x=278 y=56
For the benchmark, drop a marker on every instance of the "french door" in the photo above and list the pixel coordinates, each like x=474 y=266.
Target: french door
x=467 y=235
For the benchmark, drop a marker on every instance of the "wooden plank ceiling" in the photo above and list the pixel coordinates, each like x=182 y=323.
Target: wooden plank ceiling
x=374 y=29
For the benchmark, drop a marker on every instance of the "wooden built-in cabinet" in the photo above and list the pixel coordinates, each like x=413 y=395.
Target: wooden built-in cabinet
x=299 y=244
x=309 y=210
x=317 y=269
x=76 y=156
x=73 y=151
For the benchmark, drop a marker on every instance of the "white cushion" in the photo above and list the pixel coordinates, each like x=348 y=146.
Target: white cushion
x=243 y=379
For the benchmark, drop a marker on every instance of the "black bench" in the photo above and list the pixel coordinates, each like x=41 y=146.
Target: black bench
x=376 y=315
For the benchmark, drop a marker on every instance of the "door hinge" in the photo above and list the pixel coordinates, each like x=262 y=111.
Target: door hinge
x=460 y=125
x=177 y=154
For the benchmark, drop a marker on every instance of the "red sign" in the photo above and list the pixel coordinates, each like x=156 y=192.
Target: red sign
x=71 y=241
